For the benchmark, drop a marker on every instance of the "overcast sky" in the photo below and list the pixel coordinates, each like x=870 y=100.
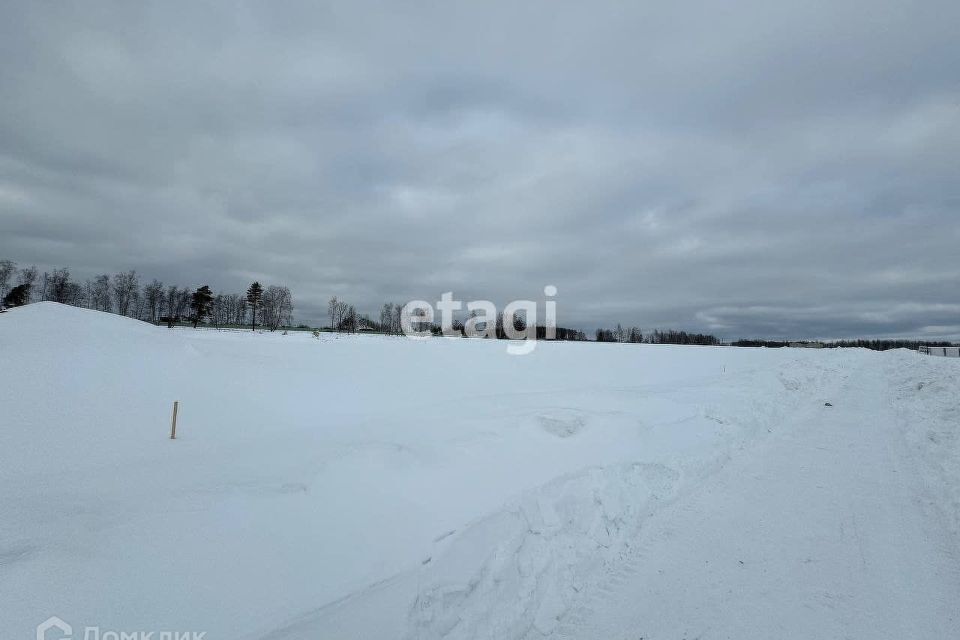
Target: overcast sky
x=770 y=168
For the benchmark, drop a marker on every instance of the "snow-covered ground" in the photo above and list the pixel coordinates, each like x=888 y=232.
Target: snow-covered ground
x=372 y=487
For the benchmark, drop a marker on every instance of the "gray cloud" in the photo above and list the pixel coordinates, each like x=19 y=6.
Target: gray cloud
x=764 y=169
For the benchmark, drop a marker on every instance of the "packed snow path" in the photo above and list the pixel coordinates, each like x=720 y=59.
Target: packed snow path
x=825 y=530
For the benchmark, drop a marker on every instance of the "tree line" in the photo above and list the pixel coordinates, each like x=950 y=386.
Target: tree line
x=670 y=336
x=880 y=344
x=269 y=307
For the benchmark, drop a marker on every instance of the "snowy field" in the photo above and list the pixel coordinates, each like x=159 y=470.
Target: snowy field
x=381 y=488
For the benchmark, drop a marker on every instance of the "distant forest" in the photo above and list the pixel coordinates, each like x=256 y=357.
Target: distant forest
x=670 y=336
x=122 y=293
x=271 y=308
x=875 y=345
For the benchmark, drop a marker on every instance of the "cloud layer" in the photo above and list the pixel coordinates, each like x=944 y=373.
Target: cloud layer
x=782 y=169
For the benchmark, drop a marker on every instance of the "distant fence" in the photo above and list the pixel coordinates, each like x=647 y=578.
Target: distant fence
x=944 y=352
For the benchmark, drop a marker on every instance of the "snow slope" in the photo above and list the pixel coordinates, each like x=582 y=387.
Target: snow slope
x=373 y=487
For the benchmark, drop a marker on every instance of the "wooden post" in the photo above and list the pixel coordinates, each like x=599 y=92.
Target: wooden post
x=173 y=425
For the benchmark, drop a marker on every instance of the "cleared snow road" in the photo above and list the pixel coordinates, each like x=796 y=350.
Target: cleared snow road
x=824 y=530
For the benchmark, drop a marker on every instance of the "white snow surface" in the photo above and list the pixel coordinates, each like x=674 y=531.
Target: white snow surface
x=377 y=487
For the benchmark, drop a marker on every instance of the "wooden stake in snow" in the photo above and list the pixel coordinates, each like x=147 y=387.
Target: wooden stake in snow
x=173 y=424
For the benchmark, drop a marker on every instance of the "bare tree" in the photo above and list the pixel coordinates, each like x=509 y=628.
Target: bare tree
x=28 y=277
x=139 y=306
x=343 y=309
x=58 y=286
x=332 y=307
x=100 y=294
x=60 y=289
x=176 y=303
x=338 y=311
x=153 y=297
x=351 y=319
x=171 y=304
x=75 y=295
x=88 y=293
x=217 y=310
x=7 y=269
x=397 y=318
x=228 y=308
x=238 y=308
x=126 y=289
x=183 y=301
x=386 y=317
x=277 y=307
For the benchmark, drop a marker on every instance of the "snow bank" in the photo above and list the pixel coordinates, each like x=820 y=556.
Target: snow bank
x=926 y=392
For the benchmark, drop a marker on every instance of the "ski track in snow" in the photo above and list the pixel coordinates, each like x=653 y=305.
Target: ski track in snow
x=612 y=492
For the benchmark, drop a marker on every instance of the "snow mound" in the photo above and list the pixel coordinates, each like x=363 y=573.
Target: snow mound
x=47 y=314
x=61 y=324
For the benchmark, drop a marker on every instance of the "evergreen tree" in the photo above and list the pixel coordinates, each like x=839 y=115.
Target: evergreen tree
x=200 y=302
x=254 y=299
x=18 y=296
